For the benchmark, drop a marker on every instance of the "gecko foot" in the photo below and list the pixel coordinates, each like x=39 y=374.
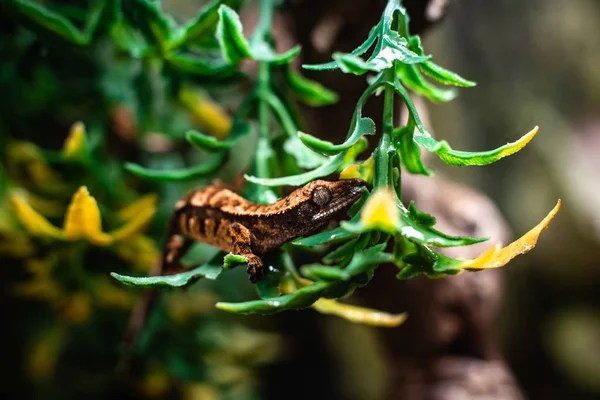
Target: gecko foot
x=255 y=268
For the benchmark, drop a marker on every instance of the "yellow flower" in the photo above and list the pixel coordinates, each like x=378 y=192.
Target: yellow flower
x=75 y=145
x=206 y=113
x=364 y=170
x=380 y=211
x=25 y=163
x=496 y=256
x=355 y=314
x=43 y=354
x=82 y=220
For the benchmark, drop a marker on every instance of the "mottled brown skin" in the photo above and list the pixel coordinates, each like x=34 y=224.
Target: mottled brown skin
x=220 y=217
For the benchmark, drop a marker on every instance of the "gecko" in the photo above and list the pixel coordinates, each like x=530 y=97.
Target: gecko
x=218 y=216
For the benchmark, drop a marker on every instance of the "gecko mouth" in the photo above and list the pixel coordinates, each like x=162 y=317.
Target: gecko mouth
x=339 y=204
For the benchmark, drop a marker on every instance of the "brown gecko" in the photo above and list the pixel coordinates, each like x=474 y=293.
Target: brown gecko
x=218 y=216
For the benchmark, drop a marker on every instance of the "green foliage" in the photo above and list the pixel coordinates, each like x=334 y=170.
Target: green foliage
x=141 y=66
x=397 y=59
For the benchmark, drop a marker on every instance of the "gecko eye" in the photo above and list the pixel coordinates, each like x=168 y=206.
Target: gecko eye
x=321 y=196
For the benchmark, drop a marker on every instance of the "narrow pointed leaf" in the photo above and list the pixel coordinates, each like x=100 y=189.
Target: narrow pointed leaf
x=413 y=79
x=204 y=24
x=211 y=144
x=364 y=127
x=330 y=236
x=308 y=91
x=359 y=315
x=462 y=158
x=351 y=64
x=305 y=157
x=318 y=272
x=230 y=35
x=443 y=75
x=301 y=179
x=408 y=151
x=198 y=65
x=299 y=299
x=208 y=271
x=206 y=168
x=359 y=51
x=58 y=24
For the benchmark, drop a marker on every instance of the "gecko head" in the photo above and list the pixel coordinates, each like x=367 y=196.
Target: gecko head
x=329 y=198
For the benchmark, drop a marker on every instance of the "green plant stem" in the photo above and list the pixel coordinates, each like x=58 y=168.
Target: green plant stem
x=265 y=20
x=381 y=152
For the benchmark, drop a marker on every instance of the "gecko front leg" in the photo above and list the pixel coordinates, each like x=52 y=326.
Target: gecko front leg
x=241 y=239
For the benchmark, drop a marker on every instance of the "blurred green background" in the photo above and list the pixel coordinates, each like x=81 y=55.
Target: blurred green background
x=535 y=62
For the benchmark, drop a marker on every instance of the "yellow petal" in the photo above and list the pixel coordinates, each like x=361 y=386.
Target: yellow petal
x=519 y=144
x=350 y=172
x=139 y=250
x=83 y=219
x=206 y=113
x=364 y=171
x=27 y=159
x=140 y=205
x=77 y=308
x=135 y=225
x=48 y=208
x=359 y=315
x=33 y=222
x=380 y=211
x=43 y=355
x=107 y=294
x=496 y=257
x=39 y=288
x=75 y=144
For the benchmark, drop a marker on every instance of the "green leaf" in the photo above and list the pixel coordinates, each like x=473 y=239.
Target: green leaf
x=413 y=79
x=299 y=299
x=230 y=35
x=177 y=174
x=419 y=217
x=208 y=271
x=129 y=39
x=210 y=143
x=233 y=260
x=462 y=158
x=443 y=75
x=418 y=228
x=197 y=65
x=308 y=91
x=319 y=272
x=305 y=157
x=364 y=126
x=360 y=50
x=408 y=151
x=269 y=286
x=330 y=236
x=343 y=252
x=58 y=24
x=149 y=17
x=262 y=51
x=203 y=25
x=351 y=64
x=395 y=49
x=301 y=179
x=369 y=258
